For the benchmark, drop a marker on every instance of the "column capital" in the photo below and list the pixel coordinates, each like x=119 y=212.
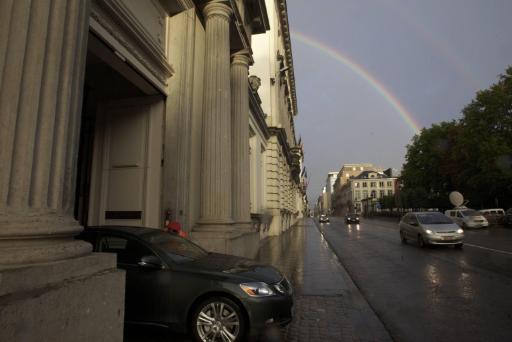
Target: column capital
x=241 y=57
x=217 y=8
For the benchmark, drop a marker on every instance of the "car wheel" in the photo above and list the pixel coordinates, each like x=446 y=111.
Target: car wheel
x=402 y=237
x=459 y=245
x=421 y=242
x=218 y=319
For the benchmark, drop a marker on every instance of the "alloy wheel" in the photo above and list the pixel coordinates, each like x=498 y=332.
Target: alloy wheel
x=421 y=242
x=402 y=237
x=218 y=320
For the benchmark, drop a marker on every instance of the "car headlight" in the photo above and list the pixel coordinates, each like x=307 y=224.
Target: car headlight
x=428 y=231
x=460 y=231
x=258 y=289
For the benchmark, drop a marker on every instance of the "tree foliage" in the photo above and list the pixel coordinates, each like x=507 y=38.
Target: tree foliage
x=472 y=155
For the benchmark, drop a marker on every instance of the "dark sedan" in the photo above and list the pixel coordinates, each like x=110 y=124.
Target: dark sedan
x=170 y=281
x=352 y=218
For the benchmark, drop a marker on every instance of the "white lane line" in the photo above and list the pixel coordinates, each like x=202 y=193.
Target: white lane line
x=489 y=249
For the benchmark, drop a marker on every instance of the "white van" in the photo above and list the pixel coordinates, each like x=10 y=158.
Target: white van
x=494 y=216
x=467 y=218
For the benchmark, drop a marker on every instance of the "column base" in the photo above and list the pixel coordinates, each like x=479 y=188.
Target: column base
x=241 y=242
x=276 y=223
x=79 y=299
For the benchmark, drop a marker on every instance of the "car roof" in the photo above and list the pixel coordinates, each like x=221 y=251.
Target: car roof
x=133 y=230
x=425 y=212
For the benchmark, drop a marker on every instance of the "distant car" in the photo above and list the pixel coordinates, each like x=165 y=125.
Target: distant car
x=430 y=228
x=323 y=218
x=351 y=218
x=467 y=218
x=494 y=216
x=170 y=281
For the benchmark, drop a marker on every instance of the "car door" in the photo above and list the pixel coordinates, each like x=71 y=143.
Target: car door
x=147 y=288
x=415 y=227
x=412 y=226
x=404 y=226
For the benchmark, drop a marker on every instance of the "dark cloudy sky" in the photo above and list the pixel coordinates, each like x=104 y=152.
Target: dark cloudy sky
x=430 y=55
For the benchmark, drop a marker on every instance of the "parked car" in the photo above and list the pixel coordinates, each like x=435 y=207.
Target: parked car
x=494 y=216
x=508 y=216
x=467 y=218
x=323 y=218
x=170 y=281
x=430 y=228
x=351 y=218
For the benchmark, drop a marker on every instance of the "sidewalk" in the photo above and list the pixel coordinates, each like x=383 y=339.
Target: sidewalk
x=327 y=304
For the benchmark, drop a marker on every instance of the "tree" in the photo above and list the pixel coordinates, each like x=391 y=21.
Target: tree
x=430 y=170
x=484 y=146
x=472 y=155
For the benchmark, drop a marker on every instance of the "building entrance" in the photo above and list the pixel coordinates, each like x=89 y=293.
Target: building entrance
x=120 y=150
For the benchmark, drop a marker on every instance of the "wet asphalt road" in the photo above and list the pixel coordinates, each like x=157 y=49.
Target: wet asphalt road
x=432 y=294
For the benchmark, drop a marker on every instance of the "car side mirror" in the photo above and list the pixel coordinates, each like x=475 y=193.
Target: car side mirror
x=151 y=261
x=413 y=223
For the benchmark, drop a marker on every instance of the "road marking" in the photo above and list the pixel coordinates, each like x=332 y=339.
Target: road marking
x=489 y=249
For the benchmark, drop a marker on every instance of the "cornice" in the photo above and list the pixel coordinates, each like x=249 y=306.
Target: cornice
x=113 y=17
x=258 y=114
x=283 y=18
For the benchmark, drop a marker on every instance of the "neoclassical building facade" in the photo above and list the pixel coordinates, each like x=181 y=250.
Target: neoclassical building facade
x=284 y=188
x=125 y=112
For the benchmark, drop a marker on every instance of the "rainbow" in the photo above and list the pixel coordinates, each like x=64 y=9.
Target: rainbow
x=364 y=74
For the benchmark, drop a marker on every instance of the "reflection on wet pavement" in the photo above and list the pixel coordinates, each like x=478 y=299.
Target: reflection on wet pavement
x=327 y=305
x=432 y=294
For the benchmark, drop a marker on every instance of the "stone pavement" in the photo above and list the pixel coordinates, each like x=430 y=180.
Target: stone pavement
x=328 y=305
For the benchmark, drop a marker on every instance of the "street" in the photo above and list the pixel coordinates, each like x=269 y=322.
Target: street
x=431 y=294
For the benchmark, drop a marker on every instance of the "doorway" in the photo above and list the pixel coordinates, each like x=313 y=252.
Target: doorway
x=121 y=144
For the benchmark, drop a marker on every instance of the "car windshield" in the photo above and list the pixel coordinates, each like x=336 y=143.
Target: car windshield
x=433 y=218
x=470 y=212
x=353 y=215
x=180 y=250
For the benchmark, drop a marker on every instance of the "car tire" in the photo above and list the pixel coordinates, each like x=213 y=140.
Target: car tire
x=459 y=245
x=218 y=317
x=402 y=237
x=421 y=242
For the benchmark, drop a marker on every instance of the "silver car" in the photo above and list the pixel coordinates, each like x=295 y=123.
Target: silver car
x=430 y=228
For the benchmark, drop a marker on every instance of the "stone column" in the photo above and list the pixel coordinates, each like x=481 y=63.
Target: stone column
x=240 y=131
x=46 y=276
x=40 y=103
x=216 y=180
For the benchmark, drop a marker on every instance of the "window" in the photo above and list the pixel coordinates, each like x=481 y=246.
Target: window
x=356 y=184
x=390 y=183
x=381 y=194
x=374 y=193
x=128 y=251
x=365 y=194
x=178 y=249
x=372 y=184
x=364 y=184
x=358 y=195
x=381 y=184
x=390 y=192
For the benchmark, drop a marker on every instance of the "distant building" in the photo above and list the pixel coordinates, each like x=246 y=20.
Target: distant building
x=329 y=190
x=346 y=172
x=362 y=192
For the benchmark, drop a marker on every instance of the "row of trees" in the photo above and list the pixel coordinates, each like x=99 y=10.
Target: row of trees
x=472 y=155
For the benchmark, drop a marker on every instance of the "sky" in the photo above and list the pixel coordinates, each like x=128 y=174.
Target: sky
x=371 y=73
